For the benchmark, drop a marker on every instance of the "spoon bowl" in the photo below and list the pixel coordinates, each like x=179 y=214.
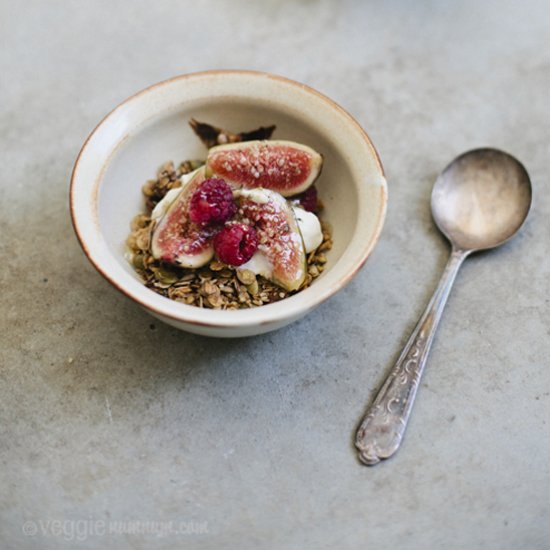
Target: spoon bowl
x=481 y=199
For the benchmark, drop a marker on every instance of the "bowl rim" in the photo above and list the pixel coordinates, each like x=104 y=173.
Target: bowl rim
x=232 y=317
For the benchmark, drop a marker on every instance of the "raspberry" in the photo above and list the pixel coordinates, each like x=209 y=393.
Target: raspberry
x=236 y=243
x=308 y=199
x=212 y=202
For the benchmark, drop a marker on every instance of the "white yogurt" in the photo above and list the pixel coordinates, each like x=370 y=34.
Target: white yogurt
x=259 y=264
x=310 y=228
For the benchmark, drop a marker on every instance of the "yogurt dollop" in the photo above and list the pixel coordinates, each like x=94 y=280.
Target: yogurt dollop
x=310 y=228
x=259 y=264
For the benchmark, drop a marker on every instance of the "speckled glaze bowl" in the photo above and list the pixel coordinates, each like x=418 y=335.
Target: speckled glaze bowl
x=147 y=129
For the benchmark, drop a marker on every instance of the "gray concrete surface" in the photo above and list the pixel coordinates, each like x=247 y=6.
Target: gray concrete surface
x=109 y=417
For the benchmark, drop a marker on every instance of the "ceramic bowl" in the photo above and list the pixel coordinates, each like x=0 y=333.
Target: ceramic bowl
x=147 y=129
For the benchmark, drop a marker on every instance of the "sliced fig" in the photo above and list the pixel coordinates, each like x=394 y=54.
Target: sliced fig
x=263 y=132
x=211 y=135
x=283 y=166
x=281 y=247
x=176 y=239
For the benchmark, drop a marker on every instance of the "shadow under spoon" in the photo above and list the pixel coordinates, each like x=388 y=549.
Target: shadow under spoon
x=478 y=202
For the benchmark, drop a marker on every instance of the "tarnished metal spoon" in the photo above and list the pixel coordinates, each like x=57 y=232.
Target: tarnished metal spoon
x=478 y=202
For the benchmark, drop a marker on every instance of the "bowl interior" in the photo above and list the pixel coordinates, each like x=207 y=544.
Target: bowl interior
x=152 y=127
x=169 y=137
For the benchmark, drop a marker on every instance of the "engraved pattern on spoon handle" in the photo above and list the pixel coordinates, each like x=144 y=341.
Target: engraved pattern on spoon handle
x=383 y=427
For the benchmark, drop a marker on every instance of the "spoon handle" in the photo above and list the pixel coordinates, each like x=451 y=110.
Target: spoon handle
x=383 y=427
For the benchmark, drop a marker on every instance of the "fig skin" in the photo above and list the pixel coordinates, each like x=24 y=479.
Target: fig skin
x=168 y=242
x=212 y=135
x=286 y=167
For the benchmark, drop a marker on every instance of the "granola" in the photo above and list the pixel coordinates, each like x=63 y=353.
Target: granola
x=216 y=285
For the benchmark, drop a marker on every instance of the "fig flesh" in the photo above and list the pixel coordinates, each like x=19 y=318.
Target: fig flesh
x=283 y=166
x=176 y=239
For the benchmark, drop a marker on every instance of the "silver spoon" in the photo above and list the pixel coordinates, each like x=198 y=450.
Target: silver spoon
x=478 y=202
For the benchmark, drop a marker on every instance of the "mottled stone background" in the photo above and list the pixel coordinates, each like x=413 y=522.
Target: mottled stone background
x=108 y=415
